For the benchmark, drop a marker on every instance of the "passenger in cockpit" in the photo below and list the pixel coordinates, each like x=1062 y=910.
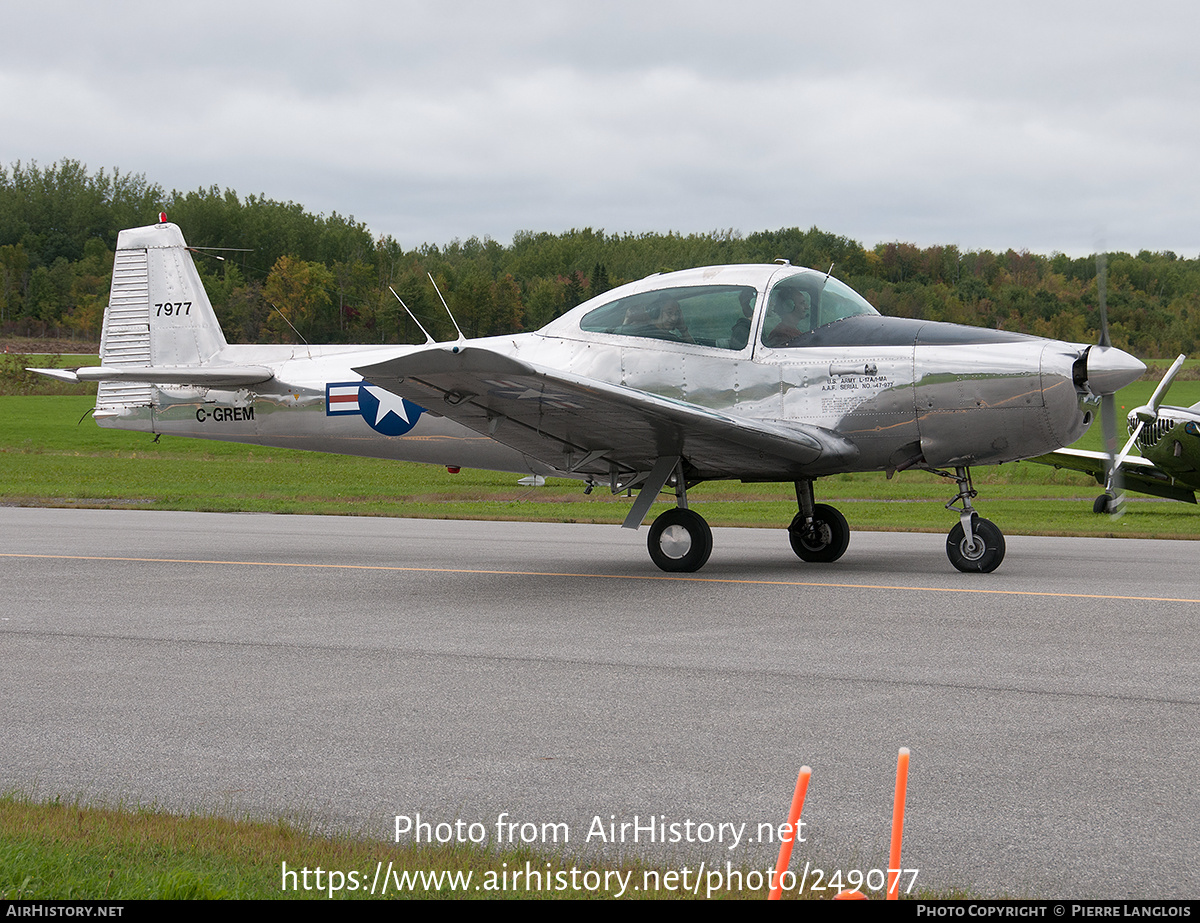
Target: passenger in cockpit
x=671 y=324
x=739 y=335
x=637 y=321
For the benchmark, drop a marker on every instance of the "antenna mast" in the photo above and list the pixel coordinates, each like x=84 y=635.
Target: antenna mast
x=461 y=338
x=428 y=338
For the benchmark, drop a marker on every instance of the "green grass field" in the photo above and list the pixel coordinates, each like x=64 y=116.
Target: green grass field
x=62 y=850
x=53 y=454
x=65 y=850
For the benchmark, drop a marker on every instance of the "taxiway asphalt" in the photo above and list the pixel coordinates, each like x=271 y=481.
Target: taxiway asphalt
x=347 y=670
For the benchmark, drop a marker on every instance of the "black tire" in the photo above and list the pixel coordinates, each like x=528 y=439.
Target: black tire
x=825 y=541
x=981 y=557
x=1104 y=504
x=680 y=541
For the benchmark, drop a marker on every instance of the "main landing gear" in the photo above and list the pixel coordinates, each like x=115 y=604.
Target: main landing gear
x=819 y=533
x=680 y=541
x=975 y=545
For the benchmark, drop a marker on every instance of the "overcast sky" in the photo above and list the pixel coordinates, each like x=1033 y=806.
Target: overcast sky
x=1047 y=126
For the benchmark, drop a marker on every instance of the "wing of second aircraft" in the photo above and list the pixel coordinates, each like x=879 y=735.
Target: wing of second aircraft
x=586 y=426
x=1136 y=473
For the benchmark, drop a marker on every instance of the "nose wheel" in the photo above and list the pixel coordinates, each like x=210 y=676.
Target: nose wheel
x=680 y=541
x=979 y=554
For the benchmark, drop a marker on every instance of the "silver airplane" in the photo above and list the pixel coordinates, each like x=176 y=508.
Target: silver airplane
x=758 y=373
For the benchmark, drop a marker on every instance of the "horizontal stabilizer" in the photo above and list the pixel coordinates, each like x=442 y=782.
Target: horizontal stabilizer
x=218 y=376
x=67 y=375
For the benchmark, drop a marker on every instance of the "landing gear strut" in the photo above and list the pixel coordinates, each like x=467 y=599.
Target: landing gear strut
x=819 y=533
x=975 y=545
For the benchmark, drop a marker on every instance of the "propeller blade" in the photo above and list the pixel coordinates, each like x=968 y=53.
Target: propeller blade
x=1129 y=445
x=1102 y=290
x=1108 y=426
x=1106 y=374
x=1145 y=414
x=1112 y=483
x=1161 y=391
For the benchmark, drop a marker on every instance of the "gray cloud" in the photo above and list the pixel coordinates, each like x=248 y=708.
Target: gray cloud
x=1027 y=125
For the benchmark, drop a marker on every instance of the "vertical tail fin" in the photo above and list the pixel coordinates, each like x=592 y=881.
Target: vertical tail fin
x=158 y=314
x=159 y=330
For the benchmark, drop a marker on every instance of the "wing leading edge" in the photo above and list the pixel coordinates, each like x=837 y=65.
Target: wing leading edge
x=584 y=426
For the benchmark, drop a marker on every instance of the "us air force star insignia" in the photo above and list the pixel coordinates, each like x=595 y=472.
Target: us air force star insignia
x=386 y=412
x=516 y=391
x=388 y=403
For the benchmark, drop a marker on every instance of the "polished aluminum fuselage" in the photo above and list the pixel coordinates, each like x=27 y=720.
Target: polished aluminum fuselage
x=903 y=391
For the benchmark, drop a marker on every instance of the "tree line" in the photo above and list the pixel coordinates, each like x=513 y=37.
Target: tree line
x=331 y=277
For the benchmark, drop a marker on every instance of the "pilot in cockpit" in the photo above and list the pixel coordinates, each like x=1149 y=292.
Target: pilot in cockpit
x=792 y=307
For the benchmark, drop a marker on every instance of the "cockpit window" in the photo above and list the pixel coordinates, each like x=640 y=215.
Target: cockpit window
x=709 y=315
x=800 y=304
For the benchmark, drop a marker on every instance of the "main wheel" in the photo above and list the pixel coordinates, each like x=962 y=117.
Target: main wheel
x=825 y=540
x=981 y=556
x=680 y=541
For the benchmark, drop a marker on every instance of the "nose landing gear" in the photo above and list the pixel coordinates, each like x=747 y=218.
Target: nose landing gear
x=982 y=552
x=975 y=545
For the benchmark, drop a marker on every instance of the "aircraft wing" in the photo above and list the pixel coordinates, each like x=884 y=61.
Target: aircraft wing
x=1136 y=473
x=586 y=426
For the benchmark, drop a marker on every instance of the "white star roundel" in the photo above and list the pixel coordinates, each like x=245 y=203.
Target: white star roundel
x=383 y=411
